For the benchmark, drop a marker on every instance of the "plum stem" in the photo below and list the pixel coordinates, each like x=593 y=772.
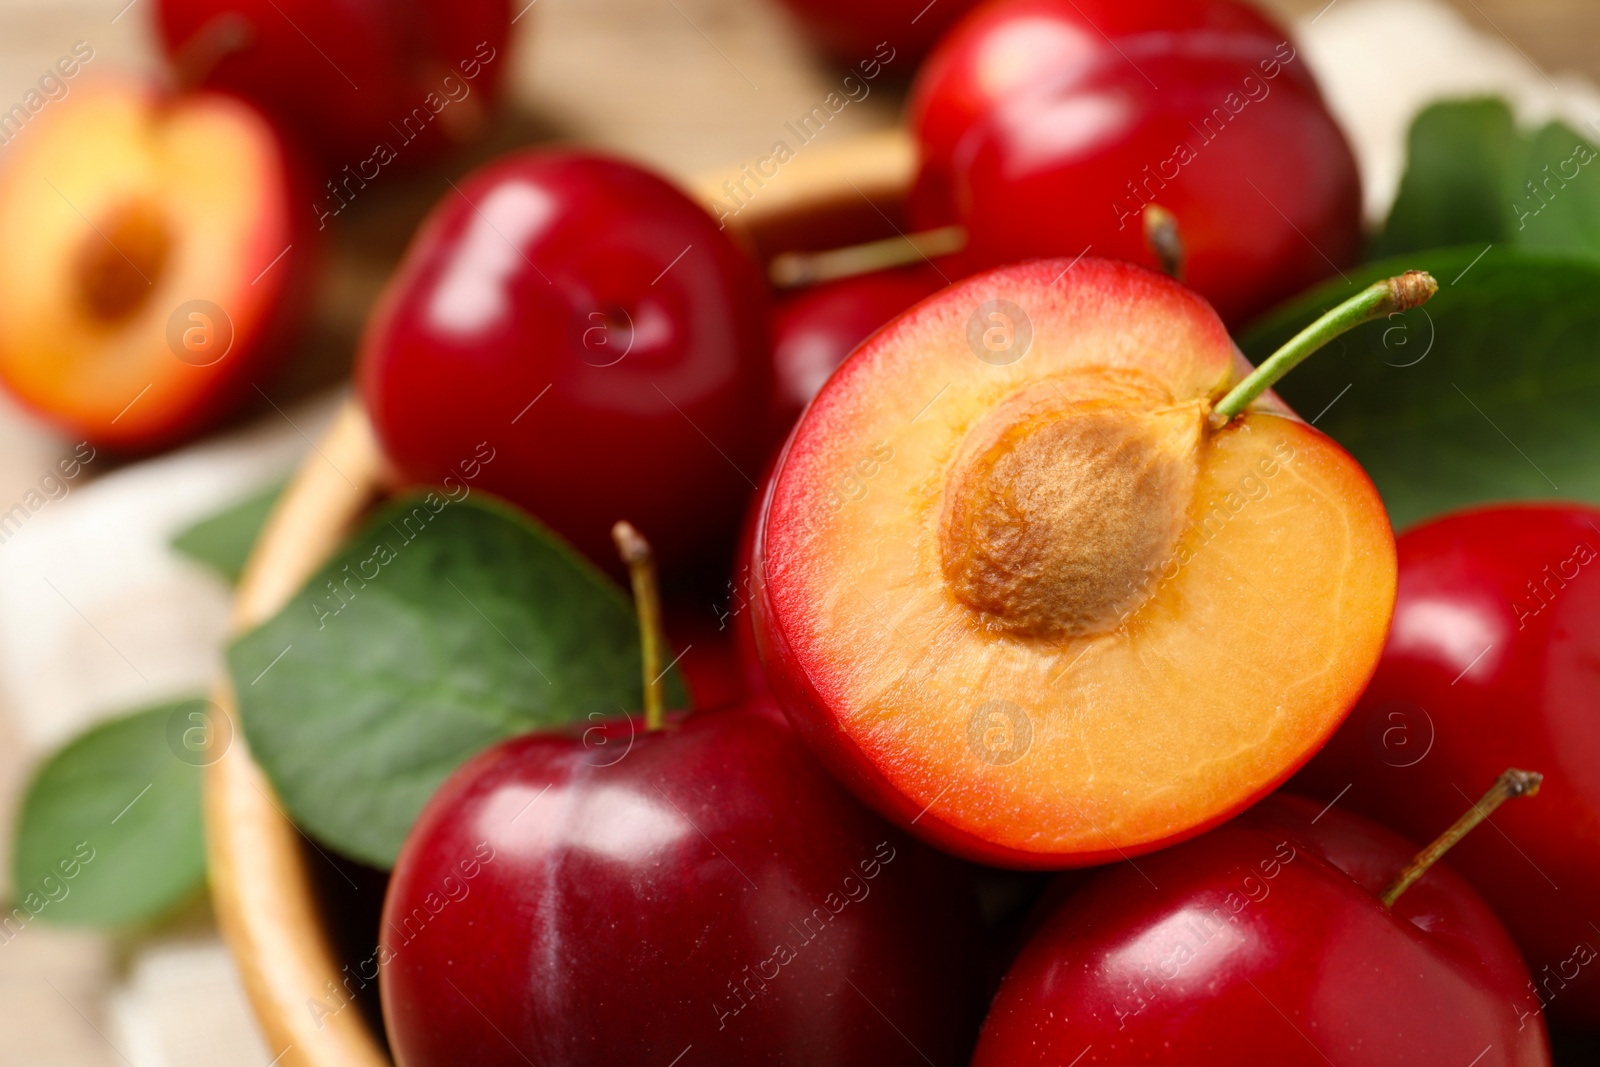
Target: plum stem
x=641 y=561
x=1512 y=783
x=791 y=269
x=1378 y=300
x=1165 y=240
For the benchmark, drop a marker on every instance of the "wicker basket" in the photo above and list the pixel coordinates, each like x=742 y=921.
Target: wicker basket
x=261 y=876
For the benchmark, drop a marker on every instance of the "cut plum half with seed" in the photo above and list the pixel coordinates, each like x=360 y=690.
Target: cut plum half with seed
x=1033 y=596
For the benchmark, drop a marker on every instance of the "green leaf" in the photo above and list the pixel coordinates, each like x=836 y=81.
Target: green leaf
x=1557 y=214
x=223 y=541
x=434 y=633
x=109 y=831
x=1472 y=178
x=1487 y=393
x=1454 y=188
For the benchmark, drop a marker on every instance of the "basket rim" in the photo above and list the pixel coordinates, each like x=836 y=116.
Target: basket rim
x=261 y=884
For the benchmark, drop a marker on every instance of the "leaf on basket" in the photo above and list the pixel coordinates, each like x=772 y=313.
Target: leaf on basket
x=1473 y=178
x=1486 y=393
x=109 y=832
x=436 y=631
x=224 y=540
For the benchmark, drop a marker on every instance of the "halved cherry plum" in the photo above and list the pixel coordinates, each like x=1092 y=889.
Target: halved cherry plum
x=1069 y=615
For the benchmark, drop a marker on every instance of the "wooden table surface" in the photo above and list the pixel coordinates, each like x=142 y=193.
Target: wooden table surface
x=1559 y=35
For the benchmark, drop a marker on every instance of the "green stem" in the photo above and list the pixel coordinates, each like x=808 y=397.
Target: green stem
x=1402 y=293
x=791 y=269
x=641 y=561
x=1513 y=783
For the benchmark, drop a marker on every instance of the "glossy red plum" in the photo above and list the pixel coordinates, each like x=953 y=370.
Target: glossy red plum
x=1494 y=658
x=592 y=325
x=352 y=76
x=1264 y=942
x=1007 y=51
x=816 y=328
x=635 y=894
x=1047 y=128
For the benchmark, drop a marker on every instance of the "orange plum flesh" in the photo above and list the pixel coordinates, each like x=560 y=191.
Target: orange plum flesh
x=151 y=261
x=1022 y=595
